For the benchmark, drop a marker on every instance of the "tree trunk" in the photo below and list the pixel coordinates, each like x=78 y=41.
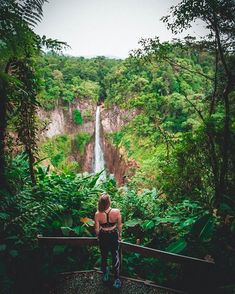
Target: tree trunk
x=226 y=130
x=3 y=125
x=31 y=169
x=225 y=146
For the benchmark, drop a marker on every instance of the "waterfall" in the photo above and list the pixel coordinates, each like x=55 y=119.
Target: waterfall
x=99 y=155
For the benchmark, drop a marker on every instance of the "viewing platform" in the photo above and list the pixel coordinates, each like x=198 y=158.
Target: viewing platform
x=199 y=274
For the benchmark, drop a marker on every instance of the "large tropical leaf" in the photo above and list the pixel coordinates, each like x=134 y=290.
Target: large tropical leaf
x=177 y=246
x=207 y=230
x=30 y=10
x=148 y=224
x=203 y=228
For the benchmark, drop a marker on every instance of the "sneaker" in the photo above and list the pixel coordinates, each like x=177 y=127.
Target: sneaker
x=117 y=284
x=106 y=275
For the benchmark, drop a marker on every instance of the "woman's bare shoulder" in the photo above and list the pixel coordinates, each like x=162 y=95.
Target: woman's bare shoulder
x=116 y=210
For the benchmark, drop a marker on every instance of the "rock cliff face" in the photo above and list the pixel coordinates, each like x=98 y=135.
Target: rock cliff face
x=54 y=122
x=60 y=121
x=112 y=120
x=85 y=160
x=121 y=168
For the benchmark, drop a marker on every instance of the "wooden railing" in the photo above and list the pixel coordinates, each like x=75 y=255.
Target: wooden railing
x=199 y=272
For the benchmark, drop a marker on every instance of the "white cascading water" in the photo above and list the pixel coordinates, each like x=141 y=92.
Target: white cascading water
x=99 y=156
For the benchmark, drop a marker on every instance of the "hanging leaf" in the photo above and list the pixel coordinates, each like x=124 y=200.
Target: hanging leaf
x=199 y=224
x=177 y=246
x=203 y=228
x=207 y=231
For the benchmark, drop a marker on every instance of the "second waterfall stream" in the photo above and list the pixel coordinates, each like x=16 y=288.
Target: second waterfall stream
x=99 y=155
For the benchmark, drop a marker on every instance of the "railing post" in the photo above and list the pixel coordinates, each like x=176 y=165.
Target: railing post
x=40 y=263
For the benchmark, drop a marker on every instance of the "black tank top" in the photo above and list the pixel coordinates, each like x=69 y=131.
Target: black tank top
x=107 y=224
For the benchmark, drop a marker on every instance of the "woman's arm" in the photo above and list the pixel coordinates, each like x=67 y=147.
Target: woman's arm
x=119 y=225
x=97 y=225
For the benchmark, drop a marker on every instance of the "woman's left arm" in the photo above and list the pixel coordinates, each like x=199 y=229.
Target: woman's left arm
x=97 y=225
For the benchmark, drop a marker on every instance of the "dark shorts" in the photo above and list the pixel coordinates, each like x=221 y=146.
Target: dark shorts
x=108 y=240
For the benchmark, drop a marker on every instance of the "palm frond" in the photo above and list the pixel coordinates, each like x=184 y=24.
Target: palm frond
x=29 y=11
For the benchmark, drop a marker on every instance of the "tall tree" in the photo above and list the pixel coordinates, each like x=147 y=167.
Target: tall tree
x=18 y=44
x=219 y=17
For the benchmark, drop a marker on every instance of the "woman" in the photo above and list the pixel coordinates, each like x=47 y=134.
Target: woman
x=108 y=228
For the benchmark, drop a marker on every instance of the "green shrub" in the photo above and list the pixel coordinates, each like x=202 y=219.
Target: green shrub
x=77 y=117
x=58 y=150
x=81 y=140
x=87 y=115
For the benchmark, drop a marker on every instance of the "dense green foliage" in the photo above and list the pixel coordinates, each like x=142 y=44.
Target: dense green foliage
x=182 y=137
x=46 y=209
x=64 y=78
x=64 y=205
x=18 y=80
x=166 y=118
x=57 y=152
x=81 y=141
x=77 y=117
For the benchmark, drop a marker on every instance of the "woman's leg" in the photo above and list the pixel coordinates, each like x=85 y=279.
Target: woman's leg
x=115 y=255
x=104 y=256
x=103 y=251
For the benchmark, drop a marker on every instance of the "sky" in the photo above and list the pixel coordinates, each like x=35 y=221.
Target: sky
x=107 y=27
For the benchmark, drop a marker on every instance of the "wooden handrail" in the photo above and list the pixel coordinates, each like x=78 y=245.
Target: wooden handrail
x=74 y=241
x=164 y=255
x=127 y=247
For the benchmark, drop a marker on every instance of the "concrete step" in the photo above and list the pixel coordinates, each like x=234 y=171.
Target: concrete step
x=90 y=282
